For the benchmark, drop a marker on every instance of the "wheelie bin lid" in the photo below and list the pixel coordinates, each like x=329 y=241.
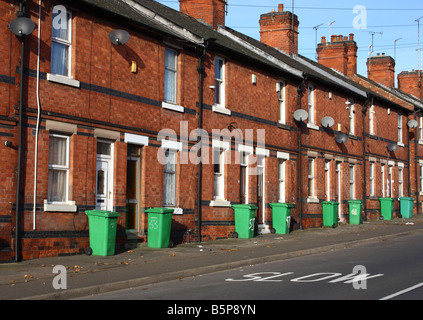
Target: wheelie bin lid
x=355 y=201
x=244 y=206
x=102 y=213
x=281 y=204
x=159 y=210
x=387 y=199
x=330 y=202
x=407 y=198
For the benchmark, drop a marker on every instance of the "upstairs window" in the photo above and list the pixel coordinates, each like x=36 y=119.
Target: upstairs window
x=170 y=85
x=219 y=83
x=400 y=129
x=61 y=41
x=280 y=89
x=311 y=103
x=351 y=116
x=372 y=118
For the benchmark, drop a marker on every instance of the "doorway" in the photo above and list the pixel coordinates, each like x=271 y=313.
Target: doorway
x=133 y=188
x=104 y=176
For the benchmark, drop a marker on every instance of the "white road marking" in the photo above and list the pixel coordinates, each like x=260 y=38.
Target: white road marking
x=402 y=291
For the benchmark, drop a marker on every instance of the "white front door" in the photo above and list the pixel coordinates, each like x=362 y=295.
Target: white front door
x=104 y=176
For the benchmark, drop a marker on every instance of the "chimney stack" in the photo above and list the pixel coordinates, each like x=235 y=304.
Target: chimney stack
x=280 y=30
x=411 y=82
x=212 y=12
x=339 y=54
x=381 y=69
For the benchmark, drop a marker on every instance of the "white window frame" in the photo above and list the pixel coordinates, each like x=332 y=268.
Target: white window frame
x=327 y=179
x=65 y=42
x=280 y=89
x=382 y=171
x=400 y=180
x=311 y=103
x=311 y=179
x=421 y=178
x=351 y=116
x=173 y=70
x=372 y=179
x=390 y=182
x=172 y=157
x=282 y=180
x=421 y=129
x=352 y=180
x=400 y=141
x=372 y=122
x=65 y=168
x=244 y=163
x=220 y=87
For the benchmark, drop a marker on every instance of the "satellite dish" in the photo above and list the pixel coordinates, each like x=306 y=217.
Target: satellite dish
x=300 y=115
x=22 y=26
x=412 y=123
x=119 y=36
x=327 y=122
x=392 y=146
x=341 y=137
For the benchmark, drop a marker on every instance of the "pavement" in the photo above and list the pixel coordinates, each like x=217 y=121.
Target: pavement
x=88 y=275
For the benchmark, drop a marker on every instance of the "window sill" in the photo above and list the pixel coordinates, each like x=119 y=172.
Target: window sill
x=312 y=126
x=400 y=144
x=222 y=110
x=175 y=210
x=421 y=142
x=63 y=80
x=220 y=203
x=312 y=200
x=283 y=125
x=171 y=106
x=60 y=206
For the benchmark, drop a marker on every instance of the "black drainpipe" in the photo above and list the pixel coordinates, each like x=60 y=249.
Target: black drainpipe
x=300 y=200
x=200 y=70
x=364 y=111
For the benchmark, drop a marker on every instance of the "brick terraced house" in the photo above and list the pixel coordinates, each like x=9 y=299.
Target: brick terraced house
x=188 y=114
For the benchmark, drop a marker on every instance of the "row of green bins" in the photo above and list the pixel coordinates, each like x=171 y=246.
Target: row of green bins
x=330 y=214
x=245 y=217
x=102 y=232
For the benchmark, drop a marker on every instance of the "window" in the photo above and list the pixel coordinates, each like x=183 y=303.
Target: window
x=382 y=170
x=372 y=179
x=399 y=128
x=352 y=181
x=281 y=176
x=372 y=118
x=280 y=88
x=218 y=161
x=421 y=178
x=311 y=103
x=420 y=128
x=400 y=181
x=58 y=168
x=389 y=183
x=169 y=178
x=244 y=178
x=311 y=178
x=219 y=84
x=61 y=41
x=351 y=116
x=170 y=77
x=327 y=179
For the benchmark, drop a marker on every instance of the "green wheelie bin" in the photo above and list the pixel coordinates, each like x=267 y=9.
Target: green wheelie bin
x=387 y=208
x=159 y=225
x=281 y=217
x=406 y=207
x=355 y=211
x=330 y=214
x=245 y=217
x=102 y=232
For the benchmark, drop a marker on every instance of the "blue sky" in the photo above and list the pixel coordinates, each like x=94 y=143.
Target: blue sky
x=395 y=19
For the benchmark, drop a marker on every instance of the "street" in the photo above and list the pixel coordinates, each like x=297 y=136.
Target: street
x=386 y=270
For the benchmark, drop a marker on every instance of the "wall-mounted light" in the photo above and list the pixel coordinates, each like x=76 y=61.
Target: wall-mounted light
x=119 y=37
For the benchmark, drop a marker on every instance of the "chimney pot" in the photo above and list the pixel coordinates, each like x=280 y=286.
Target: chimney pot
x=351 y=36
x=333 y=38
x=323 y=39
x=280 y=7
